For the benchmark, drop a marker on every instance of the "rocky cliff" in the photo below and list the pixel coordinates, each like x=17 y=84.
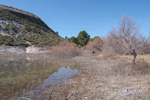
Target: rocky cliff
x=21 y=28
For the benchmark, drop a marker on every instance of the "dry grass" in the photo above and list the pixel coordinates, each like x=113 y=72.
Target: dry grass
x=106 y=79
x=65 y=50
x=142 y=67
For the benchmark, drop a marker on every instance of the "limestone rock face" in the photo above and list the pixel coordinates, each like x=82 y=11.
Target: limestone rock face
x=22 y=28
x=12 y=49
x=33 y=49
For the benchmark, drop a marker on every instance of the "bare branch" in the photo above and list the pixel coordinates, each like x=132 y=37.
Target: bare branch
x=127 y=37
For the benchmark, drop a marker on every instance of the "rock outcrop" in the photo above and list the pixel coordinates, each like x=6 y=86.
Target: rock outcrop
x=21 y=28
x=33 y=49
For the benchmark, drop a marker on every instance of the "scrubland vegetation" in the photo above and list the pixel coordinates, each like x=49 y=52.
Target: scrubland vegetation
x=24 y=29
x=108 y=73
x=121 y=40
x=105 y=67
x=106 y=78
x=65 y=50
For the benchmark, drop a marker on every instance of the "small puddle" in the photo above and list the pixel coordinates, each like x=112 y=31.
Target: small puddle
x=62 y=75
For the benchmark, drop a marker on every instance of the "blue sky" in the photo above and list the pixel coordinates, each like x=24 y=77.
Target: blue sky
x=96 y=17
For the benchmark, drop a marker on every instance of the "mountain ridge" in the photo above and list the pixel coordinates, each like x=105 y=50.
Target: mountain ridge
x=17 y=10
x=19 y=27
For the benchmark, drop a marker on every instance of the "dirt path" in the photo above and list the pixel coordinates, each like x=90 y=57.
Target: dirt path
x=104 y=79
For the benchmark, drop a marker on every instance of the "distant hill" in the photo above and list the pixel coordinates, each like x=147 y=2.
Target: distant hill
x=18 y=28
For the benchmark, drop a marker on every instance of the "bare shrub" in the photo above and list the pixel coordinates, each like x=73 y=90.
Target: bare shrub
x=112 y=45
x=93 y=47
x=145 y=49
x=65 y=50
x=142 y=67
x=96 y=44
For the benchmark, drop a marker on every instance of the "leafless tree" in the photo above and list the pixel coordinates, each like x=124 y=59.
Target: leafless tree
x=129 y=32
x=126 y=38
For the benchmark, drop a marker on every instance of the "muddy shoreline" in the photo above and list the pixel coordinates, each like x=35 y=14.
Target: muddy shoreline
x=103 y=78
x=21 y=73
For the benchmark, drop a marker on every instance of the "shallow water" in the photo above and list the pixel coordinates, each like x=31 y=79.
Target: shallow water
x=62 y=75
x=21 y=73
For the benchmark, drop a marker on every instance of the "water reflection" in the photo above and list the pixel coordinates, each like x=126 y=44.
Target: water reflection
x=61 y=76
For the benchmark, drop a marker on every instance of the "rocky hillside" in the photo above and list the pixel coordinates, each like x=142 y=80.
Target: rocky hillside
x=21 y=28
